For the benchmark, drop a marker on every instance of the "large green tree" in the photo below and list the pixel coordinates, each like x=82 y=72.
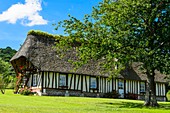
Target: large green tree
x=122 y=32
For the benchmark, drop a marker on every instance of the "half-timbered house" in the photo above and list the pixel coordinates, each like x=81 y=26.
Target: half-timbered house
x=39 y=67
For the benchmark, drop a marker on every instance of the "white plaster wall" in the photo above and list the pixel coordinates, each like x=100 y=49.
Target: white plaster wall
x=69 y=78
x=88 y=78
x=51 y=77
x=127 y=86
x=84 y=84
x=111 y=85
x=79 y=87
x=138 y=87
x=156 y=89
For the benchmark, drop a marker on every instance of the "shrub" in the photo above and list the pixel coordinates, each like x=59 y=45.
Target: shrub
x=168 y=92
x=168 y=95
x=25 y=91
x=113 y=94
x=131 y=96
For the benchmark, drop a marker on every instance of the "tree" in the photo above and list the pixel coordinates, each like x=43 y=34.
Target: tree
x=7 y=53
x=4 y=66
x=7 y=73
x=122 y=32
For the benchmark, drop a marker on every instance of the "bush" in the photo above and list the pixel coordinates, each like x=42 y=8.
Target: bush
x=168 y=95
x=168 y=92
x=25 y=91
x=131 y=96
x=113 y=94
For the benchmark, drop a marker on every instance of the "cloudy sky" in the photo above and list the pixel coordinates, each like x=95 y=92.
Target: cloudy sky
x=17 y=17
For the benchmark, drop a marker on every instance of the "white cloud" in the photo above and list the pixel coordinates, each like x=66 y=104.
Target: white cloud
x=27 y=13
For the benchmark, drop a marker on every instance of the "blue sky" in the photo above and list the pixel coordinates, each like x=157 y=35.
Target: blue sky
x=17 y=17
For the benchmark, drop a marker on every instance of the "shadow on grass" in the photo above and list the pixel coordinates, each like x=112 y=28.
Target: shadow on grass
x=164 y=106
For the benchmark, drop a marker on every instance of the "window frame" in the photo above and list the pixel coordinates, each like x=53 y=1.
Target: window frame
x=120 y=81
x=34 y=80
x=142 y=87
x=93 y=83
x=63 y=80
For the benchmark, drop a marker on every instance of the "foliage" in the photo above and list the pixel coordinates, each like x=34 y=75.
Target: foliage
x=168 y=95
x=121 y=32
x=13 y=103
x=25 y=91
x=126 y=30
x=7 y=73
x=7 y=53
x=168 y=92
x=4 y=67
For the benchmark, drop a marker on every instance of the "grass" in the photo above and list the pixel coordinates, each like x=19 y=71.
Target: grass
x=14 y=103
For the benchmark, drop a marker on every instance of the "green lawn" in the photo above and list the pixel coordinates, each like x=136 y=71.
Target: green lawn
x=10 y=103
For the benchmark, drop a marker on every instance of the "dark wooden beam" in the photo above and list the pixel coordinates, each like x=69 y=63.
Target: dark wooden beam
x=71 y=80
x=42 y=82
x=78 y=82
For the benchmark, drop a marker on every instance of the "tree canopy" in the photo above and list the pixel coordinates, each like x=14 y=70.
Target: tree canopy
x=4 y=66
x=122 y=32
x=7 y=53
x=6 y=71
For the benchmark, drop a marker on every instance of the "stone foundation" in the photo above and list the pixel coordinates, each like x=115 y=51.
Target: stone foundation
x=77 y=93
x=158 y=98
x=58 y=92
x=161 y=98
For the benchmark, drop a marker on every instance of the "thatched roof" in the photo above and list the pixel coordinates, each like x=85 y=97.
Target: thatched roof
x=41 y=53
x=135 y=73
x=39 y=50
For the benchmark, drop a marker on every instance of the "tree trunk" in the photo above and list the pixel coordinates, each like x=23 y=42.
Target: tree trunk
x=150 y=97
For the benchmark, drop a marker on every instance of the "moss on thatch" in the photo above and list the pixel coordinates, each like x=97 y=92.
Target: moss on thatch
x=43 y=34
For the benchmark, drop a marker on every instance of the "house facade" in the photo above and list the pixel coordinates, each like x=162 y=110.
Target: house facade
x=39 y=67
x=64 y=84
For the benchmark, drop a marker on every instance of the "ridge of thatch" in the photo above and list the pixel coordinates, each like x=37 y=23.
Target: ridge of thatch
x=43 y=34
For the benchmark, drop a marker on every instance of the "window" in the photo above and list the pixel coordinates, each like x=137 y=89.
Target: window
x=34 y=80
x=93 y=83
x=120 y=84
x=62 y=80
x=142 y=87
